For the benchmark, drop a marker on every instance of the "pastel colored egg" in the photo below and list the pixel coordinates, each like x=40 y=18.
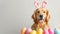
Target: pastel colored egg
x=28 y=30
x=40 y=31
x=46 y=32
x=33 y=32
x=56 y=31
x=51 y=31
x=23 y=30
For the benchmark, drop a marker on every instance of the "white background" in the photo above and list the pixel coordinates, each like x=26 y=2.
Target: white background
x=16 y=14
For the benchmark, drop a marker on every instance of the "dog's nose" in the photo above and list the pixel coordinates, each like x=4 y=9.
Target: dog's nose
x=41 y=16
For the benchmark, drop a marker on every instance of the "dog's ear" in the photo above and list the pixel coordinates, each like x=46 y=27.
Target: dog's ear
x=47 y=17
x=33 y=16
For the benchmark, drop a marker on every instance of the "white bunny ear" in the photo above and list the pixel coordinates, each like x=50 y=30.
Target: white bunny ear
x=44 y=4
x=36 y=3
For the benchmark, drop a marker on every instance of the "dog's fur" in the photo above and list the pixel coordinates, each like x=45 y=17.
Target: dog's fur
x=36 y=18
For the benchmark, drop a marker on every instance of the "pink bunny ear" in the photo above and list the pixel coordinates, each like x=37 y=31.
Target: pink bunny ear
x=36 y=3
x=44 y=4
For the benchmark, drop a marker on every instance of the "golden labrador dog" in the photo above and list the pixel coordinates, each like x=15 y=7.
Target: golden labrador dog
x=40 y=17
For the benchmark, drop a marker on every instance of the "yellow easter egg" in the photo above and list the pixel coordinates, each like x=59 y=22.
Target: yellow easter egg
x=40 y=31
x=33 y=32
x=23 y=30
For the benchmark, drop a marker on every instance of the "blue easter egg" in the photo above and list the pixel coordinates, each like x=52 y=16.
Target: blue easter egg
x=56 y=31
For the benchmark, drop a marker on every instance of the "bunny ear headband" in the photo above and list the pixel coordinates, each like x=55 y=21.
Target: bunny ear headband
x=37 y=4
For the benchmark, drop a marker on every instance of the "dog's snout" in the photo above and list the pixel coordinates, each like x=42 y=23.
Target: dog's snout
x=41 y=15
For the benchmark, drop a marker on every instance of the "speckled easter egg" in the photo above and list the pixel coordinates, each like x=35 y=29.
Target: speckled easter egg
x=23 y=30
x=51 y=31
x=28 y=30
x=46 y=31
x=40 y=31
x=56 y=31
x=33 y=32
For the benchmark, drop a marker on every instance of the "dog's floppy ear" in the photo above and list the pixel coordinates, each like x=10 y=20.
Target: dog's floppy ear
x=33 y=16
x=47 y=17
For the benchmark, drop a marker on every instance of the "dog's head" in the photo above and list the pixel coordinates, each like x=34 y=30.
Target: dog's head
x=41 y=15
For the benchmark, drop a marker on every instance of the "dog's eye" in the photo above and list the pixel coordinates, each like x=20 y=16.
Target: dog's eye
x=43 y=11
x=38 y=11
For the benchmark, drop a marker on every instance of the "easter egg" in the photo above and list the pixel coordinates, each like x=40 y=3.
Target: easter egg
x=56 y=31
x=33 y=32
x=40 y=31
x=28 y=30
x=51 y=31
x=46 y=31
x=23 y=30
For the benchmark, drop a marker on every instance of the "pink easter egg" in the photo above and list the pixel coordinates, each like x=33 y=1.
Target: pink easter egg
x=50 y=31
x=46 y=32
x=28 y=30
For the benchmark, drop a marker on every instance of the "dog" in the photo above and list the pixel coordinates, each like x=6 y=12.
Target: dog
x=40 y=17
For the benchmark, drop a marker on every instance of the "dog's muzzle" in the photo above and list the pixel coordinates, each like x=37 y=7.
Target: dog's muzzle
x=40 y=18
